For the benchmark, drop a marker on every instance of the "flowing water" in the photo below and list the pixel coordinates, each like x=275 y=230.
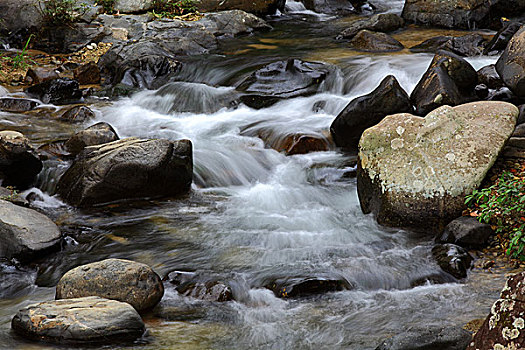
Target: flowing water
x=254 y=214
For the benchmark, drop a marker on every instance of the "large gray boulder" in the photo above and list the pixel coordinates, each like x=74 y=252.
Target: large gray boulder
x=415 y=172
x=511 y=65
x=132 y=6
x=129 y=168
x=25 y=233
x=90 y=320
x=123 y=280
x=20 y=14
x=19 y=162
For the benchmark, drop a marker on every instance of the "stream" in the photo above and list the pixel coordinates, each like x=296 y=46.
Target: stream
x=254 y=213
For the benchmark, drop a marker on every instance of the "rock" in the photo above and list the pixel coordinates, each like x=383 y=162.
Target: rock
x=431 y=45
x=521 y=117
x=78 y=114
x=466 y=232
x=490 y=77
x=501 y=39
x=439 y=338
x=482 y=91
x=3 y=91
x=79 y=321
x=57 y=91
x=517 y=142
x=504 y=326
x=452 y=259
x=37 y=75
x=20 y=14
x=19 y=163
x=97 y=134
x=369 y=41
x=25 y=233
x=17 y=105
x=233 y=23
x=502 y=94
x=519 y=131
x=511 y=66
x=300 y=286
x=449 y=80
x=123 y=280
x=261 y=8
x=70 y=38
x=200 y=287
x=466 y=45
x=415 y=172
x=331 y=7
x=88 y=73
x=281 y=80
x=55 y=150
x=383 y=22
x=9 y=194
x=133 y=6
x=366 y=111
x=129 y=168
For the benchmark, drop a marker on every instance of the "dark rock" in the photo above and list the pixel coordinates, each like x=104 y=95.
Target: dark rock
x=501 y=39
x=511 y=66
x=383 y=22
x=37 y=75
x=481 y=91
x=369 y=41
x=26 y=234
x=129 y=168
x=502 y=94
x=79 y=321
x=78 y=114
x=333 y=7
x=233 y=23
x=9 y=194
x=505 y=325
x=449 y=80
x=431 y=45
x=521 y=117
x=19 y=163
x=123 y=280
x=366 y=111
x=97 y=134
x=88 y=73
x=490 y=77
x=519 y=131
x=69 y=38
x=432 y=279
x=517 y=142
x=17 y=105
x=466 y=232
x=57 y=91
x=200 y=287
x=260 y=8
x=55 y=150
x=293 y=287
x=452 y=259
x=281 y=80
x=439 y=338
x=20 y=14
x=466 y=45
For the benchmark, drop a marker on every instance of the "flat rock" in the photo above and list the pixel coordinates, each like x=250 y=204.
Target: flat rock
x=90 y=320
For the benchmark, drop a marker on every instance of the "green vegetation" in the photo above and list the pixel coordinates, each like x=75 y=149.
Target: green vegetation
x=61 y=12
x=11 y=196
x=503 y=206
x=170 y=8
x=20 y=61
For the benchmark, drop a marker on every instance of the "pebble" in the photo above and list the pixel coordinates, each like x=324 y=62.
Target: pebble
x=92 y=46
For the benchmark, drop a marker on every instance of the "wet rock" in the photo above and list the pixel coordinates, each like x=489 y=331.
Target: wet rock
x=19 y=163
x=432 y=279
x=37 y=75
x=481 y=91
x=466 y=45
x=97 y=134
x=502 y=94
x=511 y=66
x=415 y=172
x=449 y=80
x=366 y=111
x=383 y=22
x=521 y=117
x=55 y=150
x=294 y=287
x=369 y=41
x=129 y=168
x=490 y=77
x=57 y=91
x=466 y=232
x=431 y=45
x=78 y=114
x=133 y=6
x=501 y=39
x=333 y=7
x=11 y=195
x=302 y=144
x=439 y=338
x=123 y=280
x=70 y=38
x=79 y=321
x=26 y=234
x=281 y=80
x=17 y=105
x=261 y=8
x=201 y=287
x=504 y=326
x=88 y=73
x=452 y=259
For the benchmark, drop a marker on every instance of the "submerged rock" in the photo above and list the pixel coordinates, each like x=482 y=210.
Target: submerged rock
x=293 y=287
x=57 y=91
x=452 y=259
x=368 y=41
x=201 y=287
x=90 y=320
x=25 y=233
x=97 y=134
x=19 y=162
x=129 y=168
x=415 y=172
x=17 y=105
x=467 y=232
x=511 y=66
x=383 y=22
x=123 y=280
x=439 y=338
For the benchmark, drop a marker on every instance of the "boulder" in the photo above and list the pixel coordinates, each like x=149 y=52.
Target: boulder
x=301 y=286
x=449 y=80
x=25 y=233
x=17 y=105
x=332 y=7
x=466 y=45
x=466 y=232
x=452 y=259
x=123 y=280
x=37 y=75
x=260 y=8
x=281 y=80
x=97 y=134
x=20 y=14
x=9 y=194
x=501 y=39
x=521 y=117
x=504 y=327
x=368 y=41
x=133 y=6
x=88 y=73
x=431 y=45
x=511 y=66
x=368 y=110
x=77 y=114
x=57 y=91
x=19 y=163
x=383 y=22
x=129 y=168
x=91 y=320
x=415 y=172
x=55 y=150
x=489 y=76
x=71 y=37
x=201 y=287
x=439 y=338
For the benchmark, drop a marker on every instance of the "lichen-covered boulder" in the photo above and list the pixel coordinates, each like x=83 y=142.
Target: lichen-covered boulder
x=504 y=327
x=90 y=320
x=415 y=172
x=511 y=65
x=123 y=280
